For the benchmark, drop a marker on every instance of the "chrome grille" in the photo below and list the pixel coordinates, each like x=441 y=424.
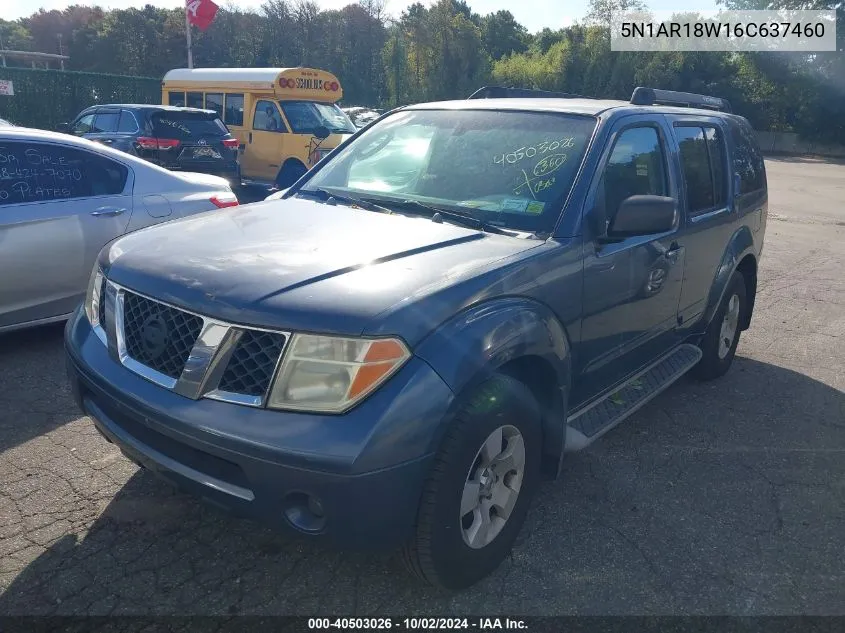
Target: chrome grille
x=157 y=335
x=253 y=362
x=192 y=355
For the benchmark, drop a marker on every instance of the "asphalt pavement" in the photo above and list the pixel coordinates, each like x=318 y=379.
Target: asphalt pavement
x=721 y=498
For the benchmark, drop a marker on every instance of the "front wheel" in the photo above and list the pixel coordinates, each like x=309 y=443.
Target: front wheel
x=477 y=496
x=722 y=337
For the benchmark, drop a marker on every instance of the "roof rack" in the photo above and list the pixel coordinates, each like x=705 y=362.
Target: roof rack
x=652 y=96
x=501 y=92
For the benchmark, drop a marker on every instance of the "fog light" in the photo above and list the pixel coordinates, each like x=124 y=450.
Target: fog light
x=305 y=512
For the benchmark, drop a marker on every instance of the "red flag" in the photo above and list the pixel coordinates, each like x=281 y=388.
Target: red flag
x=201 y=13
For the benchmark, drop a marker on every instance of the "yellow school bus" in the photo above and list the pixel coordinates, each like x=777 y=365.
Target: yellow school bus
x=286 y=119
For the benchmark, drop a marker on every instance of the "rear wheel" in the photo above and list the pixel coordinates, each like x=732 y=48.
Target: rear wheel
x=477 y=496
x=290 y=172
x=722 y=337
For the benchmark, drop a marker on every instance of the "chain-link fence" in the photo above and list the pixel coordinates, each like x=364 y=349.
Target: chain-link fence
x=45 y=98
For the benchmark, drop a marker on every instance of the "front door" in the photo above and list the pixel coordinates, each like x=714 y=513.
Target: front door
x=262 y=156
x=631 y=287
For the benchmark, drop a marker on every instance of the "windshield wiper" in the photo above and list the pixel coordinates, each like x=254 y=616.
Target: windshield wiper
x=438 y=214
x=325 y=195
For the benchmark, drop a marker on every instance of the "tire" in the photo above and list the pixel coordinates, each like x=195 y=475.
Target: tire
x=290 y=172
x=440 y=553
x=718 y=354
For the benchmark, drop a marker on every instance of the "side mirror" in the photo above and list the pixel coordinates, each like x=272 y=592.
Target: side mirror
x=63 y=127
x=322 y=132
x=644 y=215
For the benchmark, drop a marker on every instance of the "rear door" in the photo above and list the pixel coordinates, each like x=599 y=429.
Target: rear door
x=59 y=205
x=128 y=129
x=192 y=141
x=105 y=126
x=702 y=157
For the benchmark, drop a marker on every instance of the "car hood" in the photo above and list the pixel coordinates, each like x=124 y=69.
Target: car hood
x=300 y=264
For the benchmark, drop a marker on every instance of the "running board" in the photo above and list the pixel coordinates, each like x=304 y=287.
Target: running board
x=590 y=422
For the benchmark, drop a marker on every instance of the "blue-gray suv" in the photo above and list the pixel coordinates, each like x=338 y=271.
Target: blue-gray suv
x=398 y=350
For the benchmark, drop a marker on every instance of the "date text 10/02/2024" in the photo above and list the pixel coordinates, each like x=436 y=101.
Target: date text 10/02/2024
x=418 y=624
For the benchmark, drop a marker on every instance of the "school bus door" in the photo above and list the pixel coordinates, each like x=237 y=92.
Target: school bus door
x=263 y=152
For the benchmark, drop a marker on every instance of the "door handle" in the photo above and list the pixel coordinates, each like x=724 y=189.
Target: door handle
x=108 y=140
x=673 y=253
x=250 y=137
x=107 y=212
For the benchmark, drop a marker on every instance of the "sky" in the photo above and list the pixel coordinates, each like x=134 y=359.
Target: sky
x=533 y=14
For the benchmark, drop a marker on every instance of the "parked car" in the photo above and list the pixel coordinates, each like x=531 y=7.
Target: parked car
x=395 y=352
x=178 y=139
x=61 y=200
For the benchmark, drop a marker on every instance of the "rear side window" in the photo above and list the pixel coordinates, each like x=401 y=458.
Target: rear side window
x=748 y=160
x=234 y=112
x=176 y=99
x=187 y=125
x=703 y=164
x=106 y=122
x=195 y=100
x=214 y=101
x=42 y=172
x=127 y=124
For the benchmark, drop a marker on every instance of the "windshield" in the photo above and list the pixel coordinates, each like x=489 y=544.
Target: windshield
x=306 y=116
x=509 y=169
x=187 y=125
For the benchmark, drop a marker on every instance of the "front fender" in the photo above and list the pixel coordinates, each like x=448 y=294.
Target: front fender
x=740 y=245
x=477 y=342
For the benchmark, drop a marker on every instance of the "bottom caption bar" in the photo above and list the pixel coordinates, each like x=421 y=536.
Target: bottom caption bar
x=532 y=624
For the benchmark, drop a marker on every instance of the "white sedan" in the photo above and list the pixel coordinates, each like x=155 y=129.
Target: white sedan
x=62 y=199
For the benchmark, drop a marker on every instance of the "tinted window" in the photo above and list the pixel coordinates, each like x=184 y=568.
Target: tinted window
x=176 y=99
x=695 y=164
x=716 y=150
x=234 y=114
x=106 y=121
x=127 y=123
x=512 y=169
x=214 y=101
x=36 y=172
x=748 y=161
x=267 y=117
x=187 y=125
x=636 y=167
x=83 y=125
x=195 y=100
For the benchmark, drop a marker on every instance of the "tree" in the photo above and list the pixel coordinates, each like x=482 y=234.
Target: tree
x=600 y=12
x=502 y=35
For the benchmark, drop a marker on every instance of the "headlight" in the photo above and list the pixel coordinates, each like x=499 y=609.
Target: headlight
x=330 y=374
x=92 y=296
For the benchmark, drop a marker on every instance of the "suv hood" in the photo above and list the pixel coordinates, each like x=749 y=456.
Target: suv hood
x=300 y=264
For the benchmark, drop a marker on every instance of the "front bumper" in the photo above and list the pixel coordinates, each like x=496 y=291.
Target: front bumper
x=366 y=468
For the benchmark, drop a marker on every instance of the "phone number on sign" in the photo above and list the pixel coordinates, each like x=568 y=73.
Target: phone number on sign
x=411 y=624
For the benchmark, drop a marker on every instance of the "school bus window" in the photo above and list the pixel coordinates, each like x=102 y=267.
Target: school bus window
x=176 y=98
x=234 y=113
x=214 y=101
x=195 y=100
x=267 y=117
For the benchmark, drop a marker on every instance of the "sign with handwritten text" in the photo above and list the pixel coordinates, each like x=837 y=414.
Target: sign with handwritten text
x=32 y=174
